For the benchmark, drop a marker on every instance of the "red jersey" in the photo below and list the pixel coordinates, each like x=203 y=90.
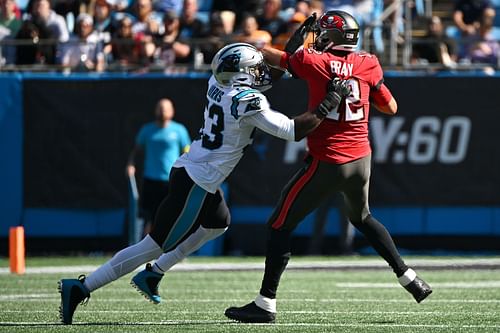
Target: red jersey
x=343 y=136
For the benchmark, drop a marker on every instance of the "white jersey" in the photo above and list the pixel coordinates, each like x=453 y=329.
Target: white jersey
x=231 y=115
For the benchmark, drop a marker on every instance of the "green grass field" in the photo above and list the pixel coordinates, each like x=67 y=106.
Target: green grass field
x=310 y=300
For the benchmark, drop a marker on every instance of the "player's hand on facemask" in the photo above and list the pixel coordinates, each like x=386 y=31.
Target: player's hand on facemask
x=298 y=37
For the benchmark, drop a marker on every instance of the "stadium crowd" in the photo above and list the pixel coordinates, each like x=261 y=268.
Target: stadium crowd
x=183 y=35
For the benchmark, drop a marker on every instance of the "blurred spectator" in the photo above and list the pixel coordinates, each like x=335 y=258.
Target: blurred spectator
x=9 y=23
x=124 y=50
x=239 y=8
x=163 y=6
x=468 y=13
x=191 y=31
x=435 y=47
x=9 y=27
x=82 y=52
x=36 y=43
x=280 y=41
x=169 y=49
x=483 y=48
x=42 y=12
x=270 y=19
x=102 y=17
x=317 y=7
x=304 y=7
x=147 y=24
x=191 y=25
x=147 y=20
x=250 y=33
x=215 y=39
x=228 y=20
x=120 y=5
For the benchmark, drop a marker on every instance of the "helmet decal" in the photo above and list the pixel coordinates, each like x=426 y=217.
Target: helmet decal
x=230 y=63
x=241 y=64
x=336 y=30
x=332 y=22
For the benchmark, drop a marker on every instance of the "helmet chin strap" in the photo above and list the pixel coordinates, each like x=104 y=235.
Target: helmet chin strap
x=347 y=48
x=328 y=46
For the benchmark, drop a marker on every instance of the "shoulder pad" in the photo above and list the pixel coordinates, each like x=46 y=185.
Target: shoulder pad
x=247 y=102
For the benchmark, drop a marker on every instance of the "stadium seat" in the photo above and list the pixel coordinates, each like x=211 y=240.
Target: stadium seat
x=496 y=33
x=452 y=32
x=204 y=9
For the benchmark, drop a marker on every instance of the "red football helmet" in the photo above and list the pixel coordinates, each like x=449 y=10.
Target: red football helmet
x=336 y=30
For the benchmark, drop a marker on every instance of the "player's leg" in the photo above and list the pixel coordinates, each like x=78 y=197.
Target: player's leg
x=153 y=193
x=213 y=220
x=75 y=291
x=356 y=190
x=300 y=196
x=347 y=231
x=200 y=222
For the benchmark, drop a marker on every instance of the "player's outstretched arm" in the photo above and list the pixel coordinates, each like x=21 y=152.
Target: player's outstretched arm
x=279 y=125
x=273 y=56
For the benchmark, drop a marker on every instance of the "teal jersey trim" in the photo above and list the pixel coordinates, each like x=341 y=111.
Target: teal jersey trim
x=187 y=218
x=236 y=100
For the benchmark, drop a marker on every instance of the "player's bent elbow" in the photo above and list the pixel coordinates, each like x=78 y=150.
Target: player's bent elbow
x=393 y=107
x=390 y=108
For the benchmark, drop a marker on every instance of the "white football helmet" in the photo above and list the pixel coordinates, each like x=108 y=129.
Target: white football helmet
x=241 y=64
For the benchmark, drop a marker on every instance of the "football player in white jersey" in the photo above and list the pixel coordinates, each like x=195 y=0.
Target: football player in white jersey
x=194 y=211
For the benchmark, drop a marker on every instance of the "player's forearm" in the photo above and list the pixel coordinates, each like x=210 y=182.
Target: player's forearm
x=272 y=55
x=306 y=123
x=391 y=108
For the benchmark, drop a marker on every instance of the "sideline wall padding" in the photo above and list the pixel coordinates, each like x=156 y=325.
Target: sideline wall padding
x=11 y=140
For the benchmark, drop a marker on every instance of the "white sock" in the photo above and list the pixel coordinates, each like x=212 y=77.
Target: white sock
x=266 y=303
x=188 y=246
x=407 y=277
x=123 y=262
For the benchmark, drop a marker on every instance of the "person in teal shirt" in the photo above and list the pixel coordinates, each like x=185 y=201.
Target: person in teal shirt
x=161 y=142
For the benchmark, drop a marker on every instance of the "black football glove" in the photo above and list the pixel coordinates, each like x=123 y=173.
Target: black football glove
x=336 y=90
x=299 y=36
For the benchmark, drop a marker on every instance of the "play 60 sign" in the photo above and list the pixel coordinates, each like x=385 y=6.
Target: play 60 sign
x=421 y=140
x=426 y=140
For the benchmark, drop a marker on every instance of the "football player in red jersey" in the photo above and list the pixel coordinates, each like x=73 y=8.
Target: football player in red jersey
x=339 y=156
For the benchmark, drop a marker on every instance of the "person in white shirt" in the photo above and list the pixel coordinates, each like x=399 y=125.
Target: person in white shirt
x=84 y=51
x=54 y=22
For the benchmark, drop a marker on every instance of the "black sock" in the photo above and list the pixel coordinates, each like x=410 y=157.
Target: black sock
x=382 y=242
x=278 y=254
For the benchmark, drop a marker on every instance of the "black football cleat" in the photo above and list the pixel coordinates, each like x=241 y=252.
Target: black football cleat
x=419 y=289
x=250 y=313
x=73 y=292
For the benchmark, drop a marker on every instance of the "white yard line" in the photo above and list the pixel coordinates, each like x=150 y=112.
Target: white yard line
x=305 y=325
x=420 y=313
x=55 y=296
x=333 y=264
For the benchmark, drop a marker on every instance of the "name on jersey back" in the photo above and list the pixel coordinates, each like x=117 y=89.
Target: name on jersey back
x=215 y=93
x=341 y=68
